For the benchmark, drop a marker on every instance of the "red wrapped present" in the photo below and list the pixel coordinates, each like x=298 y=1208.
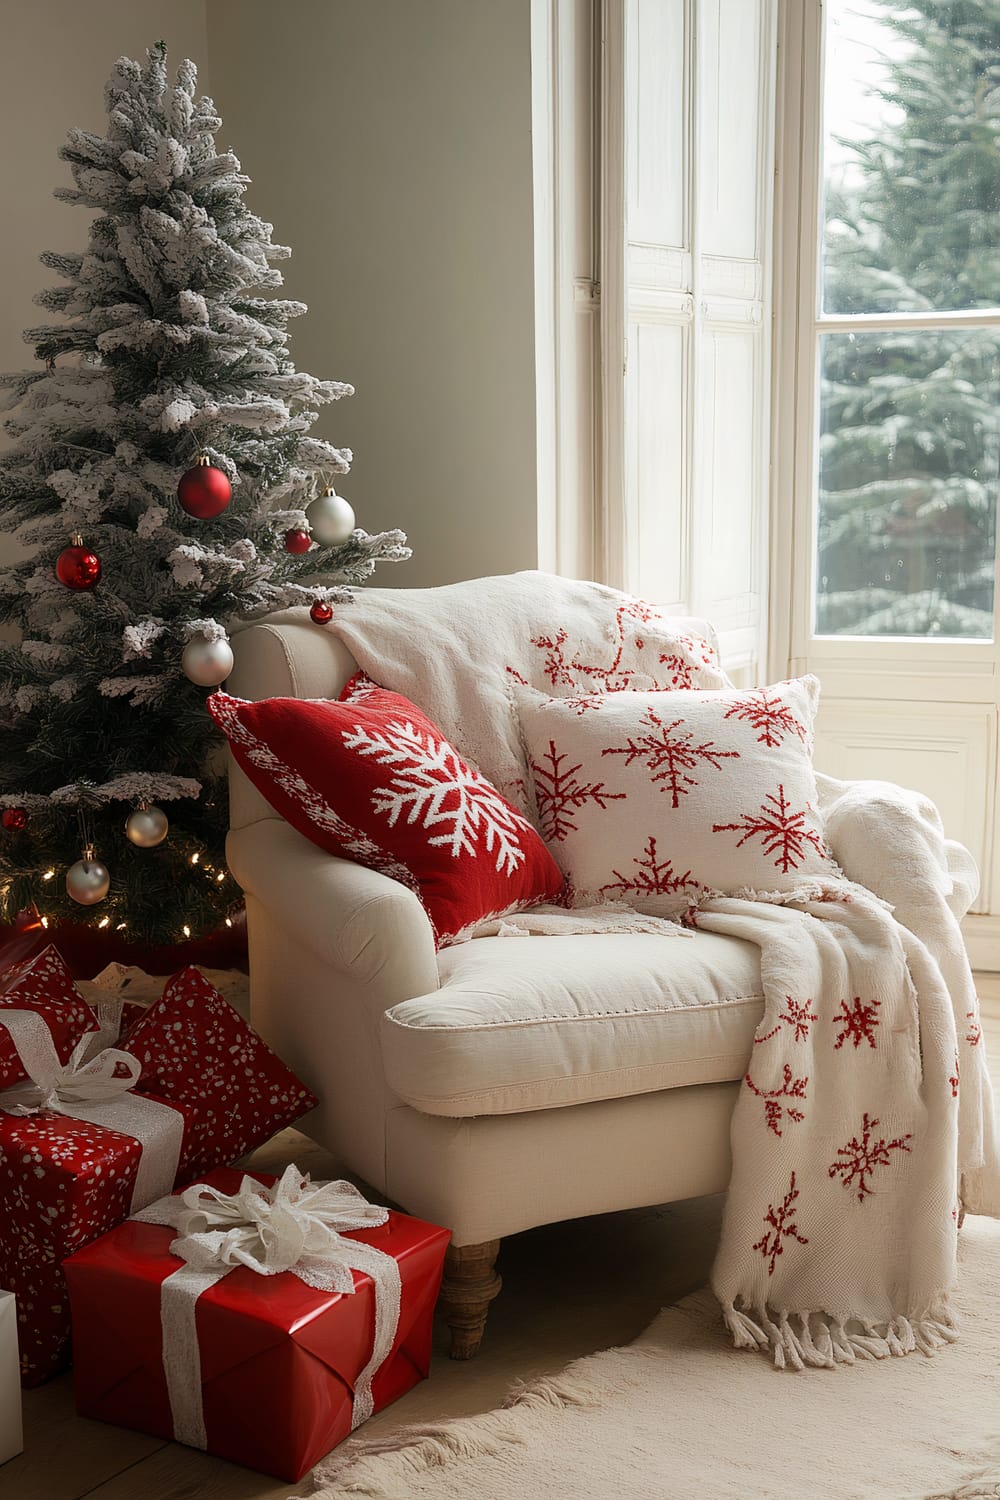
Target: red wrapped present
x=239 y=1094
x=37 y=999
x=279 y=1329
x=97 y=1142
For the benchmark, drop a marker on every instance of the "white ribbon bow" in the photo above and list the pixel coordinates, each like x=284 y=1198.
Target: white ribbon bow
x=107 y=1076
x=98 y=1089
x=295 y=1225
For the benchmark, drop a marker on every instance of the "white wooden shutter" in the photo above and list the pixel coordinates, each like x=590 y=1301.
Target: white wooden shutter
x=686 y=194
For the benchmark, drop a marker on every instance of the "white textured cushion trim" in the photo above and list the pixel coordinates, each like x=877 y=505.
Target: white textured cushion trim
x=547 y=1020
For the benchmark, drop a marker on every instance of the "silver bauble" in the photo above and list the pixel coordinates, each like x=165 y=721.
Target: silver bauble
x=330 y=518
x=88 y=880
x=207 y=662
x=146 y=827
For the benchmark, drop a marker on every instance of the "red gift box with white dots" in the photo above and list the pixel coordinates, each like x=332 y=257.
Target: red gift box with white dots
x=63 y=1182
x=42 y=984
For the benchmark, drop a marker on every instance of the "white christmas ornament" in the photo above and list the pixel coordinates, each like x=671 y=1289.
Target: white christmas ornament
x=207 y=663
x=330 y=518
x=146 y=826
x=88 y=880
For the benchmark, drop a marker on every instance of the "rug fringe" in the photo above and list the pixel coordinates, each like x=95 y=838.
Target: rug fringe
x=815 y=1340
x=416 y=1449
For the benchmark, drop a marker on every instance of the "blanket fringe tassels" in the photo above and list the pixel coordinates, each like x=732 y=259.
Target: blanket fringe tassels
x=801 y=1340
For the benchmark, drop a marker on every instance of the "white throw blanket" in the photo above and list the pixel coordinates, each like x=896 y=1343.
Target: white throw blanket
x=865 y=1123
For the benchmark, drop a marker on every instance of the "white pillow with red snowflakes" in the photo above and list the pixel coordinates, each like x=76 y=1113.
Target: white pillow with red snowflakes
x=655 y=798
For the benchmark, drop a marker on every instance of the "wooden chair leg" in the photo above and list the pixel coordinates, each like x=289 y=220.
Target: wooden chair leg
x=469 y=1286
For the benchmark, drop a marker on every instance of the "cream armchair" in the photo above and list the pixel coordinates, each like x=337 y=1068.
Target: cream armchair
x=498 y=1084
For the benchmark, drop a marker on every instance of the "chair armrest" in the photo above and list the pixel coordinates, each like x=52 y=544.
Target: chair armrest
x=362 y=923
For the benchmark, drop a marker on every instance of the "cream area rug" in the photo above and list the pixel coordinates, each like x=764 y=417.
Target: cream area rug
x=680 y=1414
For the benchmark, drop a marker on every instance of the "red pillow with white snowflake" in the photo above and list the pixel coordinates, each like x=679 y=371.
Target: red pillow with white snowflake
x=374 y=780
x=44 y=987
x=656 y=798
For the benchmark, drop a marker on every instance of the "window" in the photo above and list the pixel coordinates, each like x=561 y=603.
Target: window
x=886 y=439
x=908 y=457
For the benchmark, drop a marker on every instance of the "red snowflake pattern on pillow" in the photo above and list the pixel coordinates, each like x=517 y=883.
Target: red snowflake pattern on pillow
x=764 y=709
x=670 y=757
x=784 y=831
x=685 y=769
x=652 y=877
x=559 y=793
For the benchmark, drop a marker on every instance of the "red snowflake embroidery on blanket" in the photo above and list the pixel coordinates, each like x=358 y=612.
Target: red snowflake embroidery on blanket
x=782 y=1226
x=857 y=1023
x=559 y=794
x=781 y=829
x=859 y=1159
x=974 y=1035
x=796 y=1014
x=764 y=709
x=681 y=671
x=669 y=756
x=653 y=877
x=565 y=670
x=955 y=1078
x=555 y=668
x=774 y=1110
x=585 y=703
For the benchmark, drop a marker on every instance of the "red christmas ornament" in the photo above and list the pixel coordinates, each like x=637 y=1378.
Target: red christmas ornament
x=77 y=567
x=321 y=613
x=14 y=819
x=297 y=540
x=204 y=491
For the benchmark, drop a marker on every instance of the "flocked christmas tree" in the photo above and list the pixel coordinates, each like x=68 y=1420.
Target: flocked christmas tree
x=163 y=474
x=910 y=446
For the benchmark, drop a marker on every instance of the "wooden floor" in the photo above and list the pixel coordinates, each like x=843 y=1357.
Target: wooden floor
x=566 y=1293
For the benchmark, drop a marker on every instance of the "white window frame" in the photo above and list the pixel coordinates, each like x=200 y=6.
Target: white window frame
x=799 y=324
x=926 y=701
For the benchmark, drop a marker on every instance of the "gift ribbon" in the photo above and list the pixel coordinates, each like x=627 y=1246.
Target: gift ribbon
x=295 y=1225
x=97 y=1089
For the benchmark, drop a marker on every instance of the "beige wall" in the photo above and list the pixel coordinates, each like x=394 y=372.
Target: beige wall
x=389 y=142
x=55 y=57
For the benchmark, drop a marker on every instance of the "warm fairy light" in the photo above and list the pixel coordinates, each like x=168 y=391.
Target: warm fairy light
x=104 y=922
x=186 y=930
x=49 y=875
x=229 y=922
x=121 y=926
x=221 y=875
x=45 y=921
x=195 y=858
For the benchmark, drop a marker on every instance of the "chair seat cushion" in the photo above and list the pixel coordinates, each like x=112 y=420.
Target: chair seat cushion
x=536 y=1022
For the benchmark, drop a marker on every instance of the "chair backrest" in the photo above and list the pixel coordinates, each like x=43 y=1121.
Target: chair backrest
x=285 y=656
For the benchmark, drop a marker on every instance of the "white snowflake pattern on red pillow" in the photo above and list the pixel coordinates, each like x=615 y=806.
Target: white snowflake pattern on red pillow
x=373 y=779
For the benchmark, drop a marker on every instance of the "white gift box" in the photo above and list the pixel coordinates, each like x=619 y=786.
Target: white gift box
x=10 y=1380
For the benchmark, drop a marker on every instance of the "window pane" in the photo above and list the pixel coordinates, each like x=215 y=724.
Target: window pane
x=912 y=166
x=908 y=477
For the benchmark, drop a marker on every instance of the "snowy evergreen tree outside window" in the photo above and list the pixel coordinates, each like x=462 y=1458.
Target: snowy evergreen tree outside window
x=171 y=348
x=909 y=452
